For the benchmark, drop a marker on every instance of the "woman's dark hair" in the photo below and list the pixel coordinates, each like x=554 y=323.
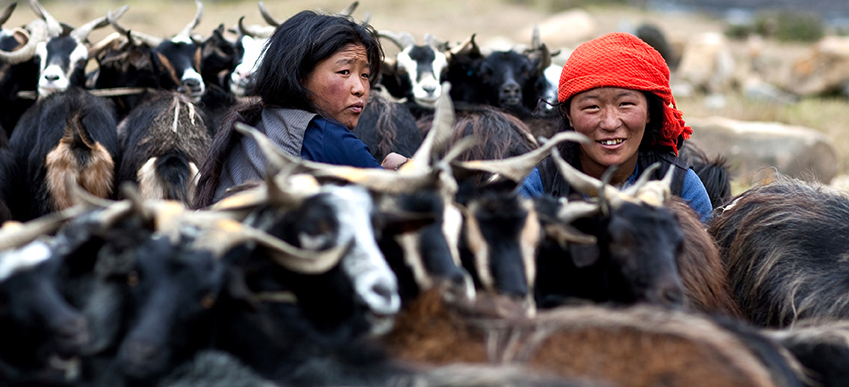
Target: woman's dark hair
x=298 y=45
x=652 y=128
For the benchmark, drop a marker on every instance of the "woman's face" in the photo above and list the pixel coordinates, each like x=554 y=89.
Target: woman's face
x=340 y=84
x=615 y=120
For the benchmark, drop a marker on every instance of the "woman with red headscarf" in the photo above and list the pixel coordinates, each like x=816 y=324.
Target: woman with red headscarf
x=615 y=90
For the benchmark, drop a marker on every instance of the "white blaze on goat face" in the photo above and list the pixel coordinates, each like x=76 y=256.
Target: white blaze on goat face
x=242 y=75
x=424 y=77
x=375 y=283
x=23 y=258
x=52 y=76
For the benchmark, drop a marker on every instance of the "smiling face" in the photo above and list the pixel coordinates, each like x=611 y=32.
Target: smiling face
x=615 y=120
x=340 y=84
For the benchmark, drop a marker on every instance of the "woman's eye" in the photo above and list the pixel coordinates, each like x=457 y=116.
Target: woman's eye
x=345 y=72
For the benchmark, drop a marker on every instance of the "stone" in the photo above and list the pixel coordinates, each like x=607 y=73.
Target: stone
x=568 y=29
x=824 y=68
x=707 y=64
x=752 y=147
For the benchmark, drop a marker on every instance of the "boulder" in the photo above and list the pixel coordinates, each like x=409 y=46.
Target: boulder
x=707 y=64
x=824 y=68
x=751 y=147
x=568 y=28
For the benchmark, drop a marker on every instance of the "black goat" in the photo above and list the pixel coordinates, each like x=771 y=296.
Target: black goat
x=42 y=333
x=387 y=126
x=144 y=61
x=633 y=259
x=70 y=133
x=163 y=141
x=19 y=70
x=782 y=244
x=713 y=173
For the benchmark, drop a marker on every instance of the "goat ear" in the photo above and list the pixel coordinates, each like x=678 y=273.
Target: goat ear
x=584 y=255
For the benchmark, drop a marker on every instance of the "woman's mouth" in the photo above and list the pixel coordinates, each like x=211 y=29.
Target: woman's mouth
x=612 y=142
x=356 y=108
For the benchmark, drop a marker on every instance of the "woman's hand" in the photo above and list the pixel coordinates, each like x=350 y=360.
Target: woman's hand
x=393 y=161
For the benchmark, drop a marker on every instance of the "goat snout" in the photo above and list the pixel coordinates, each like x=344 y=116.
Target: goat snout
x=670 y=295
x=379 y=293
x=510 y=94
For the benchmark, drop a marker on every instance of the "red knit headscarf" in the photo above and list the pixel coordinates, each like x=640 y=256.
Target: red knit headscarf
x=623 y=60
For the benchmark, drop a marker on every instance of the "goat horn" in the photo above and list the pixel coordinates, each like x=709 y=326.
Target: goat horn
x=143 y=38
x=222 y=235
x=657 y=193
x=187 y=31
x=574 y=210
x=441 y=130
x=53 y=26
x=366 y=19
x=535 y=40
x=641 y=181
x=517 y=168
x=254 y=31
x=14 y=234
x=267 y=16
x=401 y=39
x=4 y=16
x=586 y=184
x=37 y=33
x=435 y=42
x=81 y=33
x=105 y=43
x=350 y=9
x=467 y=47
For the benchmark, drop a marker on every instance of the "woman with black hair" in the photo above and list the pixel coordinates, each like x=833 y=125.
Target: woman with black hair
x=615 y=90
x=312 y=84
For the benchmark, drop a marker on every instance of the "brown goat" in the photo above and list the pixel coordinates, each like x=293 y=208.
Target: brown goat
x=700 y=266
x=638 y=346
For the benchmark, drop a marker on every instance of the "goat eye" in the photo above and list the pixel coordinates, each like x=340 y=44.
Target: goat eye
x=207 y=301
x=133 y=279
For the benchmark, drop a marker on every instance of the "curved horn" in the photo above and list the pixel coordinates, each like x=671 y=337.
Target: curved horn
x=435 y=42
x=641 y=181
x=53 y=26
x=517 y=168
x=105 y=43
x=150 y=41
x=468 y=47
x=187 y=31
x=38 y=33
x=440 y=132
x=401 y=39
x=586 y=184
x=13 y=235
x=82 y=32
x=222 y=235
x=350 y=9
x=657 y=193
x=267 y=16
x=4 y=16
x=254 y=31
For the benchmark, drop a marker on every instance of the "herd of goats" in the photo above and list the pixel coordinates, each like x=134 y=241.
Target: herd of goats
x=438 y=274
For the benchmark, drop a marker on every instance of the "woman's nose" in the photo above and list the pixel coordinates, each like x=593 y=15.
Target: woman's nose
x=609 y=119
x=359 y=87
